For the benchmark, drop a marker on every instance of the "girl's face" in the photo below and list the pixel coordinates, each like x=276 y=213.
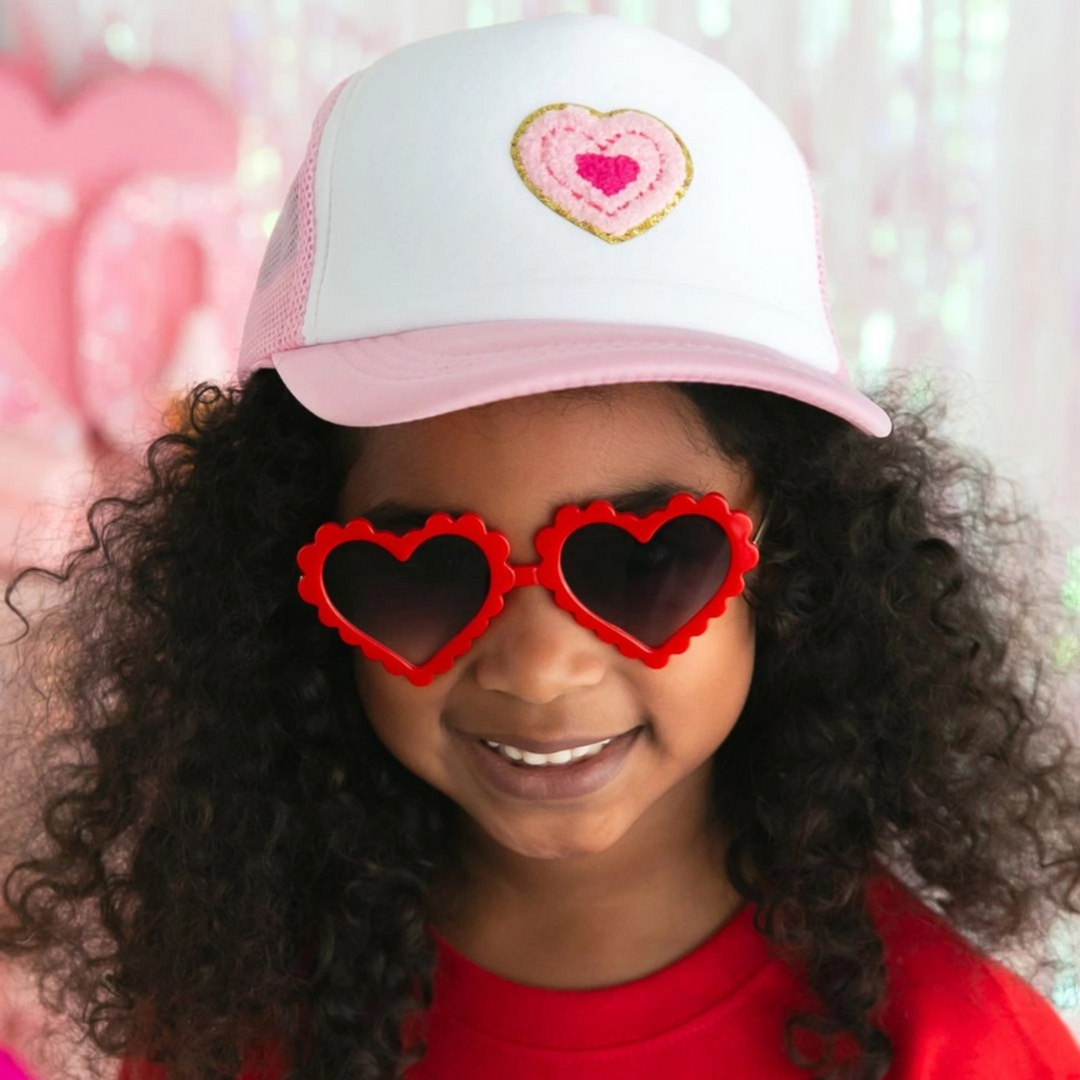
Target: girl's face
x=536 y=674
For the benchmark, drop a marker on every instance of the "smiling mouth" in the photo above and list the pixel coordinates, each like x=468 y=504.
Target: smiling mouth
x=567 y=752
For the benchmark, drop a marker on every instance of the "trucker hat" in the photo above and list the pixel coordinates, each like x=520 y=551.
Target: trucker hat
x=569 y=200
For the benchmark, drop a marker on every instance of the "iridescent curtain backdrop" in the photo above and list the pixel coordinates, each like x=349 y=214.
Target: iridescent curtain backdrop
x=943 y=135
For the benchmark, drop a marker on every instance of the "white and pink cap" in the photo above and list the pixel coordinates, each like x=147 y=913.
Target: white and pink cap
x=563 y=201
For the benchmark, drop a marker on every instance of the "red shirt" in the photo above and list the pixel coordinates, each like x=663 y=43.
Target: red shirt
x=952 y=1014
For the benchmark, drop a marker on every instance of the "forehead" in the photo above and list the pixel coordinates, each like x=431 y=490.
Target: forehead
x=532 y=453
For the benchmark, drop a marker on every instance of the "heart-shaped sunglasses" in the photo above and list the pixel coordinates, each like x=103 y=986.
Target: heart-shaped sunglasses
x=416 y=602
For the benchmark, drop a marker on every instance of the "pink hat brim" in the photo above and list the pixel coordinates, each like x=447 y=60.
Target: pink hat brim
x=370 y=382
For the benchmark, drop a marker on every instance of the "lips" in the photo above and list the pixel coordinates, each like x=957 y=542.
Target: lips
x=536 y=783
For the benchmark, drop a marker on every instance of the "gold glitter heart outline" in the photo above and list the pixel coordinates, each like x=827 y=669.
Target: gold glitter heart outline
x=611 y=238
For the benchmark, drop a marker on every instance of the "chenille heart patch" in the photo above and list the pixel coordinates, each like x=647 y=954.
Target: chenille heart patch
x=614 y=174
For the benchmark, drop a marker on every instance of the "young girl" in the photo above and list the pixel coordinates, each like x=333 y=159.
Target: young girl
x=544 y=662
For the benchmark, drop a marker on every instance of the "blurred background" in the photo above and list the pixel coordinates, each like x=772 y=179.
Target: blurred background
x=146 y=145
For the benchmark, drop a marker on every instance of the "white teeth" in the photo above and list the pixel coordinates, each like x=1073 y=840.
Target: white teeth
x=560 y=757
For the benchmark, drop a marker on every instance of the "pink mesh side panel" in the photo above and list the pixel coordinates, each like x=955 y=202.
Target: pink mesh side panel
x=275 y=319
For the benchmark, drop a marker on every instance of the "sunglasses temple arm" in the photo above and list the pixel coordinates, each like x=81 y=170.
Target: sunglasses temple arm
x=756 y=540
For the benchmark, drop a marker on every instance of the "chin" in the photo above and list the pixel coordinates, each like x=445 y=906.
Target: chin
x=556 y=843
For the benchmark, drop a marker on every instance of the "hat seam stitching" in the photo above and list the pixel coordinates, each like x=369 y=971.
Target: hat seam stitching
x=330 y=202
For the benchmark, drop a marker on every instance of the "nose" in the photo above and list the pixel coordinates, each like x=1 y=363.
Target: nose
x=537 y=652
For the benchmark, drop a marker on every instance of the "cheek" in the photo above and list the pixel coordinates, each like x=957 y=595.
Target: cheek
x=730 y=657
x=709 y=682
x=398 y=712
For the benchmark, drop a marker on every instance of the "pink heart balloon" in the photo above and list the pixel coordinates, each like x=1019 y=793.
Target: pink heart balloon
x=153 y=121
x=157 y=253
x=59 y=167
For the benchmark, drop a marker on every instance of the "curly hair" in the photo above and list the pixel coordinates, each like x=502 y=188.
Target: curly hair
x=219 y=851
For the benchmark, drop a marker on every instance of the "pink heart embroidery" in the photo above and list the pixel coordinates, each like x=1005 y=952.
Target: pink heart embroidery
x=609 y=174
x=102 y=280
x=614 y=174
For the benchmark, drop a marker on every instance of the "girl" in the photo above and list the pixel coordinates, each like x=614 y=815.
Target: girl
x=544 y=662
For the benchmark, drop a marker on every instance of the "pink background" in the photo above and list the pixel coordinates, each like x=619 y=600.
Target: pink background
x=943 y=135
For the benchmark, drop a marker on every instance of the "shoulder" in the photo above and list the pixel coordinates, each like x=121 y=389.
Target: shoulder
x=952 y=1011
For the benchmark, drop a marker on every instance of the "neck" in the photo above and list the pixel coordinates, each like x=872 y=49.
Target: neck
x=597 y=919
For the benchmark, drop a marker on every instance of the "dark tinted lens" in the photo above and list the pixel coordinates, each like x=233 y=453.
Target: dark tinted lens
x=649 y=590
x=413 y=607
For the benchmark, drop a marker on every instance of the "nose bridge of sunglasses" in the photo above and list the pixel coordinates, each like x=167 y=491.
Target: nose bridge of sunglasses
x=526 y=575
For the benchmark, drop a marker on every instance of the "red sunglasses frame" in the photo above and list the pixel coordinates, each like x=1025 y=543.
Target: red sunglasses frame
x=547 y=572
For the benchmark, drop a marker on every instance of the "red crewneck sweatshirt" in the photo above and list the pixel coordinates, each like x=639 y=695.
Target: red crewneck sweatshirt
x=951 y=1012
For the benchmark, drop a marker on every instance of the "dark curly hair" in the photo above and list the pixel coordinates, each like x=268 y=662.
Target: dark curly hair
x=217 y=851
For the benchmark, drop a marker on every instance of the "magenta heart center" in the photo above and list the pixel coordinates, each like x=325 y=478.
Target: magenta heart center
x=609 y=174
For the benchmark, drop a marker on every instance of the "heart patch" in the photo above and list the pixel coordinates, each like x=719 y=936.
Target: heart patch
x=614 y=174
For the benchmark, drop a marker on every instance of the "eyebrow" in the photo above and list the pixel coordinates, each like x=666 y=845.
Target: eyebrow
x=392 y=515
